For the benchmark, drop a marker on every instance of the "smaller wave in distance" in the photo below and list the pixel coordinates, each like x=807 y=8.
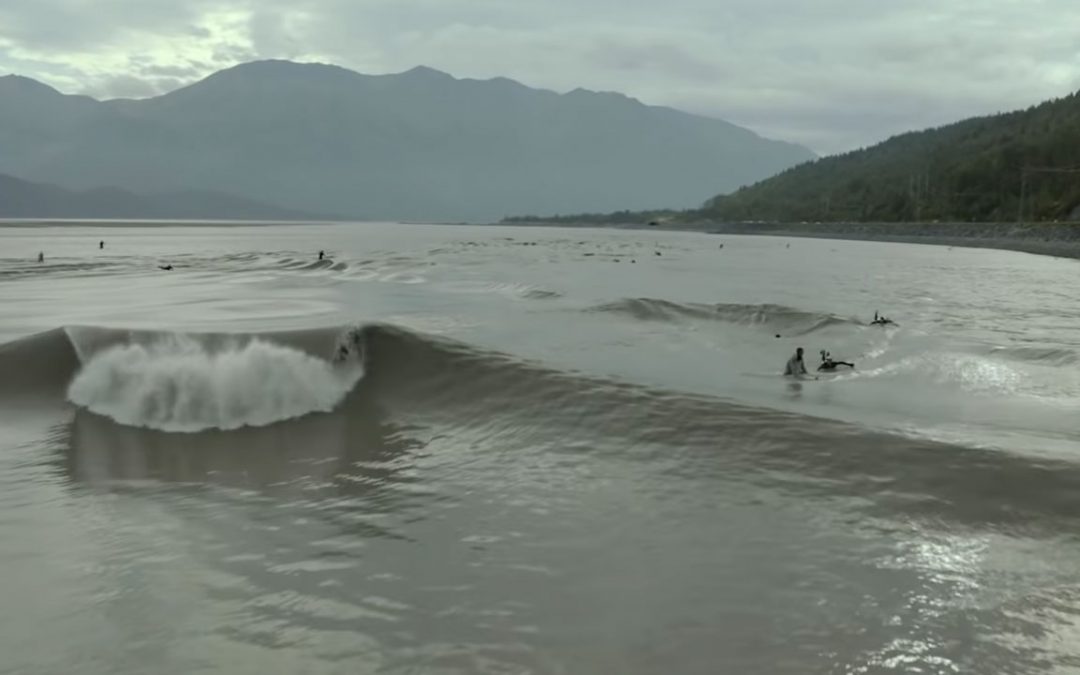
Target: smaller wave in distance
x=776 y=317
x=178 y=383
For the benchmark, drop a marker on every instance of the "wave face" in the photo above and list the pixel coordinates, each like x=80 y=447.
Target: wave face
x=182 y=383
x=773 y=317
x=1048 y=356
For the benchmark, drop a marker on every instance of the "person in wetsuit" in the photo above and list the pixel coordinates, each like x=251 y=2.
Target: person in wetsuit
x=828 y=364
x=795 y=365
x=880 y=320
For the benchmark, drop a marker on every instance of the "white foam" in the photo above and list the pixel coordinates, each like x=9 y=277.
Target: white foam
x=178 y=384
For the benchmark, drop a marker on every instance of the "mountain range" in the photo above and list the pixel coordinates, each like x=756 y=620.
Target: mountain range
x=418 y=145
x=24 y=199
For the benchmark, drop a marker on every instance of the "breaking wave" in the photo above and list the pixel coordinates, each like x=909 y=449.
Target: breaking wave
x=179 y=383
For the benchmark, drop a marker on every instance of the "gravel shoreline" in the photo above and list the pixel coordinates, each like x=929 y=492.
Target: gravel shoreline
x=1060 y=240
x=1053 y=239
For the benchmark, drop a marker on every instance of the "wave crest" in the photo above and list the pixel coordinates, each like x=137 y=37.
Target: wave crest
x=178 y=383
x=776 y=317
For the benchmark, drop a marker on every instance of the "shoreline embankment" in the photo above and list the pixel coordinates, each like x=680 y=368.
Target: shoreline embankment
x=1051 y=239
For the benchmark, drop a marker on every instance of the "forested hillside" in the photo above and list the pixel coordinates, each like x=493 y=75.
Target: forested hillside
x=997 y=168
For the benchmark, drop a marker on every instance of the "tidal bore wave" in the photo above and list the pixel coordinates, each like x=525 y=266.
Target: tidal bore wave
x=773 y=317
x=159 y=383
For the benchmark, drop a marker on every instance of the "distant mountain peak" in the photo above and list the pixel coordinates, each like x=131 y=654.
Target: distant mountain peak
x=427 y=73
x=281 y=68
x=26 y=84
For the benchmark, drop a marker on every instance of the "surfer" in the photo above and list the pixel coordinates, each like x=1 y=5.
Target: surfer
x=881 y=320
x=795 y=365
x=165 y=267
x=101 y=244
x=828 y=364
x=349 y=343
x=41 y=257
x=322 y=254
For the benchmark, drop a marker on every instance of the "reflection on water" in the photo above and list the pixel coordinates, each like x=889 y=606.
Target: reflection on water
x=355 y=540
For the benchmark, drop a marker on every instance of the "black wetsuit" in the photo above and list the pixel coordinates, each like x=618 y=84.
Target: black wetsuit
x=829 y=364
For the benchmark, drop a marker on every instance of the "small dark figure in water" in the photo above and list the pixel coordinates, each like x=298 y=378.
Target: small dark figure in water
x=322 y=254
x=880 y=320
x=828 y=364
x=795 y=365
x=41 y=257
x=658 y=253
x=101 y=244
x=165 y=267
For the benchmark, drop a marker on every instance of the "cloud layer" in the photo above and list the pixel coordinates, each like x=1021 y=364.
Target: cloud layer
x=832 y=74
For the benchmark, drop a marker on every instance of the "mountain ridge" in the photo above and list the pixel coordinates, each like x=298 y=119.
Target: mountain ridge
x=415 y=145
x=27 y=199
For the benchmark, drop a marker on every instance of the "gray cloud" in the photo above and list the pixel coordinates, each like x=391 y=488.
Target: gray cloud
x=833 y=74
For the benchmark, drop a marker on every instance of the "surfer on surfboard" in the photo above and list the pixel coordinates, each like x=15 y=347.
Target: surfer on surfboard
x=827 y=363
x=880 y=320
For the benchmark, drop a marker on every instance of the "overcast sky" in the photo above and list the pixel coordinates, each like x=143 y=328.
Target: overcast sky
x=831 y=74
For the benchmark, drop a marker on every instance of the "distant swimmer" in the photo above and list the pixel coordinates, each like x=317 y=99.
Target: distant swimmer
x=881 y=320
x=41 y=257
x=828 y=364
x=795 y=365
x=165 y=267
x=101 y=244
x=322 y=254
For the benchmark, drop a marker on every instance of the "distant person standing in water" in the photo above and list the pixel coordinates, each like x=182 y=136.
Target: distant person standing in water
x=101 y=244
x=322 y=254
x=795 y=365
x=41 y=257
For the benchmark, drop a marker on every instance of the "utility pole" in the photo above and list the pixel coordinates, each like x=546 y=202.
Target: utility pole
x=918 y=198
x=1023 y=194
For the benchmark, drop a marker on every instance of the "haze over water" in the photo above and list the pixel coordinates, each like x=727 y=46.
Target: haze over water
x=525 y=450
